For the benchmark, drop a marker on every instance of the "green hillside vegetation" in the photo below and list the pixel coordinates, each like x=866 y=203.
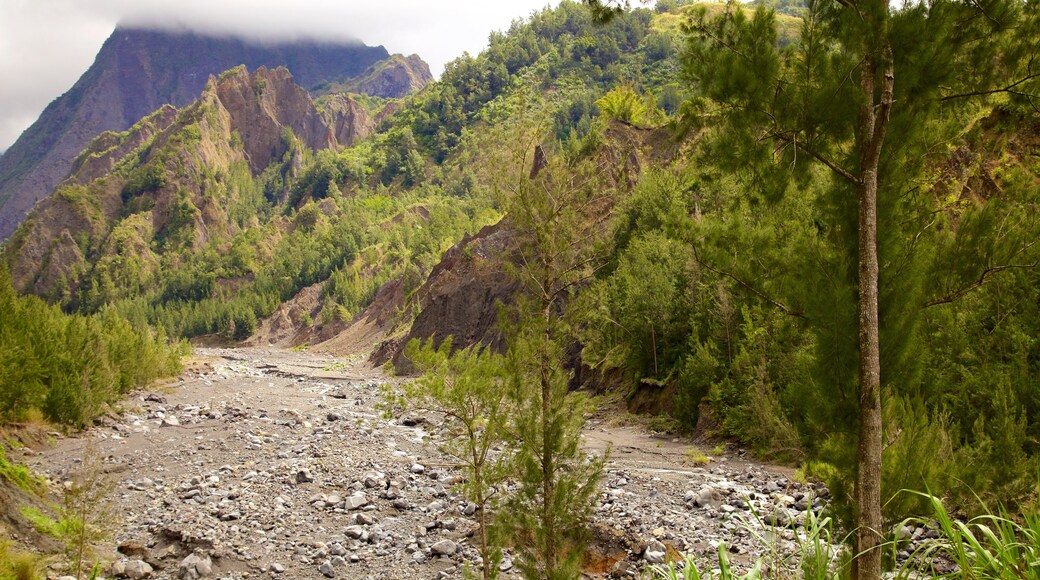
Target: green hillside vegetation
x=66 y=368
x=727 y=292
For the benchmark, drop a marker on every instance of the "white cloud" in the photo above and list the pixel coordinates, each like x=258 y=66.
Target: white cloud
x=45 y=45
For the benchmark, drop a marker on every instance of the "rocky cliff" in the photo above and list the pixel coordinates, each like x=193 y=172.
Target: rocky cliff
x=137 y=71
x=394 y=77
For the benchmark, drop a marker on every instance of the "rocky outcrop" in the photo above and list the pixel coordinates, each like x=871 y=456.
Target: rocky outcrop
x=461 y=295
x=136 y=72
x=394 y=77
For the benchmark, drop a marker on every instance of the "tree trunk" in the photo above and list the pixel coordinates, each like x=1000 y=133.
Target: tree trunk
x=548 y=434
x=873 y=123
x=868 y=469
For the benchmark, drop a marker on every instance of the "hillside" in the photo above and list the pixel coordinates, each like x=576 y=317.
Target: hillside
x=675 y=222
x=135 y=72
x=125 y=199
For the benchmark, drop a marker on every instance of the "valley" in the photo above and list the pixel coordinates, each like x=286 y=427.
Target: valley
x=297 y=316
x=279 y=463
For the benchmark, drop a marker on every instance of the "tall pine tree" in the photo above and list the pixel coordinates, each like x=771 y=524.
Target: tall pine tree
x=866 y=92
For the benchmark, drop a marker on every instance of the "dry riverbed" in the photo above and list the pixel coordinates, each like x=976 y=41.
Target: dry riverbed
x=278 y=464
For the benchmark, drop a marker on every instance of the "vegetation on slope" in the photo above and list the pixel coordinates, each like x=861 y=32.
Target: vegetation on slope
x=66 y=368
x=721 y=287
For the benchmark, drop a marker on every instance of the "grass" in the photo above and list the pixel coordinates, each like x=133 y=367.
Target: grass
x=336 y=366
x=19 y=475
x=16 y=564
x=992 y=545
x=696 y=457
x=42 y=522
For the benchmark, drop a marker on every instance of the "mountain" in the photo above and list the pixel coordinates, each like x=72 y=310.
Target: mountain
x=138 y=70
x=175 y=178
x=392 y=78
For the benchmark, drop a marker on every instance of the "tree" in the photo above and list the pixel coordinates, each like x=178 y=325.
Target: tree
x=867 y=91
x=552 y=211
x=467 y=388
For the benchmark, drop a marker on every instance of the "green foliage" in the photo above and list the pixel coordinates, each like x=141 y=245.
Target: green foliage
x=18 y=565
x=43 y=523
x=69 y=366
x=623 y=103
x=784 y=119
x=144 y=178
x=990 y=545
x=557 y=481
x=87 y=514
x=19 y=475
x=468 y=388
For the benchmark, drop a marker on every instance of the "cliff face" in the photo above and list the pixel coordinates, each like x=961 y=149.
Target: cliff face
x=168 y=181
x=394 y=77
x=135 y=73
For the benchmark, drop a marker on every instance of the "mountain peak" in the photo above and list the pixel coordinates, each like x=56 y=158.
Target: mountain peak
x=138 y=70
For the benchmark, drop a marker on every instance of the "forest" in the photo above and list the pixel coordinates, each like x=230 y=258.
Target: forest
x=722 y=274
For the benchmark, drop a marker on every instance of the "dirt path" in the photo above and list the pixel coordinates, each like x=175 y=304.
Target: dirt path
x=279 y=464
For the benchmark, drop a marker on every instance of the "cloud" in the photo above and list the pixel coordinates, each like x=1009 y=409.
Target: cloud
x=45 y=45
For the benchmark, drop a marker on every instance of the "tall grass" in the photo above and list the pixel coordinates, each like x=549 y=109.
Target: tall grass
x=991 y=546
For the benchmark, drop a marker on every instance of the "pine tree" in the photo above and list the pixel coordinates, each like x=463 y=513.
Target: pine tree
x=467 y=388
x=867 y=91
x=557 y=481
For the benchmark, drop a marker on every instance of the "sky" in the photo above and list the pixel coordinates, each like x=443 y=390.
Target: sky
x=45 y=45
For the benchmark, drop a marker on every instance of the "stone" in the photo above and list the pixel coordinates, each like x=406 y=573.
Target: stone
x=355 y=502
x=327 y=570
x=193 y=567
x=170 y=421
x=779 y=518
x=444 y=548
x=364 y=519
x=654 y=557
x=418 y=468
x=655 y=552
x=276 y=568
x=354 y=532
x=708 y=497
x=137 y=569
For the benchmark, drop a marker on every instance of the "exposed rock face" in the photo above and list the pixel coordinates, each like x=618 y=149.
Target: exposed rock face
x=135 y=73
x=394 y=77
x=240 y=118
x=460 y=297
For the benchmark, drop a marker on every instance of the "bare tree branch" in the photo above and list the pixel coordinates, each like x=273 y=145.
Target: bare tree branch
x=1007 y=89
x=961 y=292
x=780 y=305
